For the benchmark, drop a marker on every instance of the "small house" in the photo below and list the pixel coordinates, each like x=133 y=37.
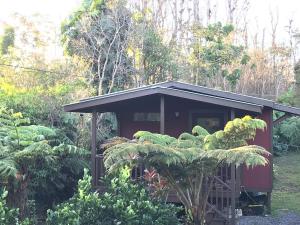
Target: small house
x=173 y=108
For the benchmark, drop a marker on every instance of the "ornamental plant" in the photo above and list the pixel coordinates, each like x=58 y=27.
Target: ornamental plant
x=123 y=202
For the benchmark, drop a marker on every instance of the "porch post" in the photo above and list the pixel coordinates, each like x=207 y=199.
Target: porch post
x=233 y=180
x=93 y=144
x=118 y=124
x=270 y=129
x=162 y=114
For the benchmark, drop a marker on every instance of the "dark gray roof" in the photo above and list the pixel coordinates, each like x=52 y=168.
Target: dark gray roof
x=182 y=90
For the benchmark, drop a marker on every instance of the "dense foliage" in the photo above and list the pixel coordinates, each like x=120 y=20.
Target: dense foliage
x=29 y=150
x=9 y=216
x=123 y=202
x=211 y=52
x=185 y=163
x=7 y=40
x=286 y=134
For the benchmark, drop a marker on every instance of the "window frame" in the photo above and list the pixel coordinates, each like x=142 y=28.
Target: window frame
x=223 y=113
x=147 y=116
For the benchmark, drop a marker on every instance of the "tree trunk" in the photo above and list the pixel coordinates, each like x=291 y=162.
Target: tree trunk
x=18 y=195
x=198 y=216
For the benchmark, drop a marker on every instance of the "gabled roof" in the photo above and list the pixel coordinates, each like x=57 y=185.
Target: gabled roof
x=182 y=90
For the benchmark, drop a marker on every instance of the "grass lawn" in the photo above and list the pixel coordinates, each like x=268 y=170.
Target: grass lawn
x=286 y=192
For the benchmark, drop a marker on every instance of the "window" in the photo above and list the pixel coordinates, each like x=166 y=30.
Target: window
x=149 y=117
x=212 y=122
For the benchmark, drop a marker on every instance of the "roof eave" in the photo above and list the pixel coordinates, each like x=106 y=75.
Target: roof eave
x=219 y=93
x=92 y=104
x=287 y=109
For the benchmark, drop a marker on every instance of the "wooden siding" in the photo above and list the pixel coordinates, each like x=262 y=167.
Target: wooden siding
x=174 y=125
x=259 y=178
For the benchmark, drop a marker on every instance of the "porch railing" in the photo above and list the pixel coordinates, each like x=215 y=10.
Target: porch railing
x=223 y=195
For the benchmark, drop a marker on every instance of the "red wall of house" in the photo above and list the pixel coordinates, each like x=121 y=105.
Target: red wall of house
x=174 y=125
x=260 y=178
x=255 y=179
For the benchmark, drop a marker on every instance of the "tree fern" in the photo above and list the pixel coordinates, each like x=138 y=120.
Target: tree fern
x=23 y=147
x=185 y=162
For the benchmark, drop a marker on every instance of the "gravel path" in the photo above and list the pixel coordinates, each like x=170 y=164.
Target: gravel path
x=286 y=218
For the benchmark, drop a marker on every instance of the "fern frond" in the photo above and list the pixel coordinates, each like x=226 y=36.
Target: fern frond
x=7 y=167
x=199 y=131
x=133 y=152
x=113 y=141
x=251 y=155
x=64 y=149
x=36 y=150
x=154 y=138
x=225 y=146
x=187 y=136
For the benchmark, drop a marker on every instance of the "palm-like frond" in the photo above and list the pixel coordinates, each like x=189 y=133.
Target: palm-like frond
x=154 y=138
x=69 y=150
x=225 y=146
x=251 y=155
x=113 y=141
x=235 y=134
x=38 y=150
x=148 y=153
x=23 y=145
x=7 y=167
x=199 y=131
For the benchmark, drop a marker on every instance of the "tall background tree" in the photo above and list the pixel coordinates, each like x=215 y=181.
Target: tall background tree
x=214 y=57
x=99 y=33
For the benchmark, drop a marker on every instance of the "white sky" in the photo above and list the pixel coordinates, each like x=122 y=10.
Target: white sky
x=57 y=10
x=287 y=9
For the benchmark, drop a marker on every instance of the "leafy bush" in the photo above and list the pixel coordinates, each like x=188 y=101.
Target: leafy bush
x=287 y=136
x=7 y=216
x=124 y=202
x=38 y=160
x=54 y=182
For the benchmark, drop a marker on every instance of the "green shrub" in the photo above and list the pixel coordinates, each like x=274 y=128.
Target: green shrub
x=37 y=162
x=287 y=133
x=7 y=216
x=287 y=136
x=124 y=202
